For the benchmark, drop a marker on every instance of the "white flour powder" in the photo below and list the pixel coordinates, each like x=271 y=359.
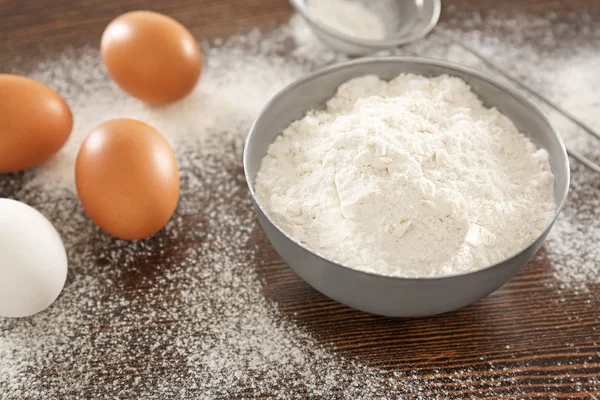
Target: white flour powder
x=193 y=313
x=414 y=177
x=349 y=17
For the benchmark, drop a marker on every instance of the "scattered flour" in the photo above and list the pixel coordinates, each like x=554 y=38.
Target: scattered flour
x=349 y=17
x=414 y=177
x=185 y=314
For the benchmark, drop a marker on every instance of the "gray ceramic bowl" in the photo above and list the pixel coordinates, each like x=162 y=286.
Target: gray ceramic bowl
x=405 y=21
x=392 y=296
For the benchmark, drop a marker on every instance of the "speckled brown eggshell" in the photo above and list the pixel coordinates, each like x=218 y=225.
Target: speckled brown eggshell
x=127 y=178
x=35 y=122
x=151 y=56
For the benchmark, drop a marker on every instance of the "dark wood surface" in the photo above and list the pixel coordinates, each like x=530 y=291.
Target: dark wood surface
x=549 y=338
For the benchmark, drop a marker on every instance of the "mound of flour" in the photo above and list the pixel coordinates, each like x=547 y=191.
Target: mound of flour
x=414 y=177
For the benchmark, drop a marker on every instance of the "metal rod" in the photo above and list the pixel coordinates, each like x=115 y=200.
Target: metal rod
x=576 y=155
x=584 y=160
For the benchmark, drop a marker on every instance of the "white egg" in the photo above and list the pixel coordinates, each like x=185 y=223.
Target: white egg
x=33 y=261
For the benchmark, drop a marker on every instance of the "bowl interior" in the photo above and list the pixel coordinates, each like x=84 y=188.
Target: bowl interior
x=404 y=20
x=313 y=91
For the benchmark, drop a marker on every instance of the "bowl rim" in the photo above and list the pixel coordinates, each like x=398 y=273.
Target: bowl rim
x=303 y=9
x=517 y=95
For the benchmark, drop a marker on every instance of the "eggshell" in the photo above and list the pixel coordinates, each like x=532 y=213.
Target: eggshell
x=33 y=261
x=151 y=56
x=127 y=178
x=35 y=122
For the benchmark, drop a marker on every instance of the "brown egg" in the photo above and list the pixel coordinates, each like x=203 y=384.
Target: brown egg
x=35 y=122
x=151 y=56
x=127 y=178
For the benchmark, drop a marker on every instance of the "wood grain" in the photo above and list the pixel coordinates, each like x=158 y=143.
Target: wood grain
x=546 y=339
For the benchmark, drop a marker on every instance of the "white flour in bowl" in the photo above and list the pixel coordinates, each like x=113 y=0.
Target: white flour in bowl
x=414 y=177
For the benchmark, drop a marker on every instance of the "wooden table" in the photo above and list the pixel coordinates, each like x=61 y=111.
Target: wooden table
x=519 y=329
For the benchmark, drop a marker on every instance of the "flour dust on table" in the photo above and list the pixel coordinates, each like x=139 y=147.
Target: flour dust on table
x=151 y=320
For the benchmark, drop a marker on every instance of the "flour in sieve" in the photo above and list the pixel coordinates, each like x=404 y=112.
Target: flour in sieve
x=414 y=177
x=350 y=17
